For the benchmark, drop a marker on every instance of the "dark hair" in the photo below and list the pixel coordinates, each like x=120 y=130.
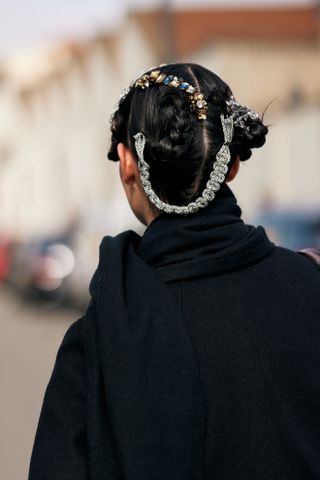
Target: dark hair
x=181 y=149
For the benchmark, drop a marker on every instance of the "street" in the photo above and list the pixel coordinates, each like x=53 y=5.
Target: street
x=30 y=334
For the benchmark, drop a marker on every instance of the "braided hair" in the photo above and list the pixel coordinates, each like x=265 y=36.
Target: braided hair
x=180 y=149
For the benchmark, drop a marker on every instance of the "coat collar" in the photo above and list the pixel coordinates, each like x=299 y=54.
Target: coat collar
x=213 y=240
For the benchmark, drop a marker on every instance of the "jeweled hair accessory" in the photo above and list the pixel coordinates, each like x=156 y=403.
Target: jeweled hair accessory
x=196 y=99
x=198 y=104
x=126 y=91
x=237 y=115
x=217 y=175
x=240 y=113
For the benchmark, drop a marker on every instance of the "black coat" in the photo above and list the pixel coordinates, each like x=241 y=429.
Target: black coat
x=198 y=358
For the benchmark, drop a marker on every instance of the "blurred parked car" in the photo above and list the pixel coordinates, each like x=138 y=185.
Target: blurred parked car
x=39 y=268
x=55 y=269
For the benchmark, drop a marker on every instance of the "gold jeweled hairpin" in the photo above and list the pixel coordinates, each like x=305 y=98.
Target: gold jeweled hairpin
x=196 y=99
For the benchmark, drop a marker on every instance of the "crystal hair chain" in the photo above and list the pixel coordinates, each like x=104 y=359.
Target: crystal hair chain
x=217 y=175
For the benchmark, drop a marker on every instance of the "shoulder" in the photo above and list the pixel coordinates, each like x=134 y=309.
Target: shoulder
x=70 y=354
x=127 y=236
x=296 y=257
x=312 y=253
x=112 y=249
x=295 y=267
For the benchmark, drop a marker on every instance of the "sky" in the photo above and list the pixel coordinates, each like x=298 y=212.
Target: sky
x=26 y=23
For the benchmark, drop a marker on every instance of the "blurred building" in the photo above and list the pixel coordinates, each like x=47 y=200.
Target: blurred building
x=54 y=107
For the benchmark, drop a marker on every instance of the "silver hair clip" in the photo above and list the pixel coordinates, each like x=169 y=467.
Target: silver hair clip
x=217 y=175
x=241 y=113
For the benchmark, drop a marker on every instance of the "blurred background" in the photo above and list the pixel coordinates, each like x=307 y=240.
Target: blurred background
x=62 y=67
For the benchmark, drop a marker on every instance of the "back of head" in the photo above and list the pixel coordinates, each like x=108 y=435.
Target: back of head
x=181 y=149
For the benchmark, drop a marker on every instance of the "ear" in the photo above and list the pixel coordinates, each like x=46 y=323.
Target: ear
x=234 y=169
x=127 y=164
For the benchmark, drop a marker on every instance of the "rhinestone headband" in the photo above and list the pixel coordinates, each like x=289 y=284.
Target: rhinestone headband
x=217 y=175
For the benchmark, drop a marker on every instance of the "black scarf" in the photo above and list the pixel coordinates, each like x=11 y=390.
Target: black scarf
x=213 y=240
x=146 y=398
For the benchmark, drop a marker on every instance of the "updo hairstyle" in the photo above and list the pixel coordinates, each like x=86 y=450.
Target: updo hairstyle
x=180 y=149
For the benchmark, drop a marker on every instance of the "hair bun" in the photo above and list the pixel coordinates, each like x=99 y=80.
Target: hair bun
x=252 y=135
x=255 y=134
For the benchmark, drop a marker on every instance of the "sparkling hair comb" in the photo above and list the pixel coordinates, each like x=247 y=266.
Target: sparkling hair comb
x=240 y=113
